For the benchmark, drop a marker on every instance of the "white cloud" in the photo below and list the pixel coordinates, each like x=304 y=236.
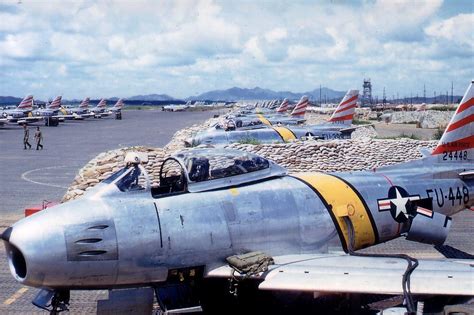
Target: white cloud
x=276 y=34
x=187 y=47
x=458 y=29
x=20 y=45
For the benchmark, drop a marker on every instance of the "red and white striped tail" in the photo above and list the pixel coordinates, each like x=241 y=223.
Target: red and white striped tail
x=102 y=103
x=300 y=108
x=85 y=103
x=26 y=103
x=344 y=112
x=119 y=104
x=283 y=106
x=457 y=142
x=56 y=103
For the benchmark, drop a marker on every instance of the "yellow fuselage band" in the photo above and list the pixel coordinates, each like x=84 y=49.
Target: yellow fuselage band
x=342 y=201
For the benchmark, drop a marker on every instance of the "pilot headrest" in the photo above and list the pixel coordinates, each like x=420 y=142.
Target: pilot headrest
x=136 y=158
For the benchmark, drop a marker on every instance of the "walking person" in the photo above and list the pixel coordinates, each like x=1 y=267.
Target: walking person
x=38 y=138
x=26 y=136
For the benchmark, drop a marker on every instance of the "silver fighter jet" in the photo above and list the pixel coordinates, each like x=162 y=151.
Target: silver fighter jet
x=337 y=127
x=213 y=205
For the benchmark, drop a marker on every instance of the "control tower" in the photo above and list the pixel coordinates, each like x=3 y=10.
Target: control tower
x=367 y=93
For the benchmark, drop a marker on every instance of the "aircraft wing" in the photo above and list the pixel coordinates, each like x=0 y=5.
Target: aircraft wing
x=341 y=273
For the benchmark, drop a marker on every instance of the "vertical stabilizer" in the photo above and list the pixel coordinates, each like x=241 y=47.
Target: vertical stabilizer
x=102 y=103
x=26 y=103
x=85 y=103
x=119 y=104
x=345 y=111
x=283 y=106
x=300 y=108
x=457 y=142
x=56 y=103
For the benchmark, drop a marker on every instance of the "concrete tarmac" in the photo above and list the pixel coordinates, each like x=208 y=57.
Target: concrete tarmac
x=28 y=177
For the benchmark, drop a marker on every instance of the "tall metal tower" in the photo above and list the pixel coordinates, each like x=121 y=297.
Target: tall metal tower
x=367 y=93
x=424 y=93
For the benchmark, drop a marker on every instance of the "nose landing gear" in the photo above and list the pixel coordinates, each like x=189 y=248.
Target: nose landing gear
x=54 y=302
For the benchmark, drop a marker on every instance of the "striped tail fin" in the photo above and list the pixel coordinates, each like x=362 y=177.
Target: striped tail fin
x=119 y=104
x=300 y=108
x=102 y=103
x=457 y=142
x=85 y=103
x=345 y=111
x=283 y=106
x=26 y=103
x=56 y=103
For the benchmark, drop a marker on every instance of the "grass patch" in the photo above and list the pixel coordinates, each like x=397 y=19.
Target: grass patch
x=249 y=141
x=438 y=134
x=360 y=122
x=403 y=135
x=443 y=108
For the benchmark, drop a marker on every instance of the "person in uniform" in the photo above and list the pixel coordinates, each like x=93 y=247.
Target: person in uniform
x=38 y=138
x=26 y=136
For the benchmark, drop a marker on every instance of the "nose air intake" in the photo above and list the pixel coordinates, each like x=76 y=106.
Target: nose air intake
x=16 y=260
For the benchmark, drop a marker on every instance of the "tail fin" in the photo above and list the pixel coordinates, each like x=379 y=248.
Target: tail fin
x=344 y=112
x=85 y=103
x=26 y=103
x=457 y=142
x=283 y=106
x=300 y=108
x=119 y=104
x=56 y=103
x=102 y=103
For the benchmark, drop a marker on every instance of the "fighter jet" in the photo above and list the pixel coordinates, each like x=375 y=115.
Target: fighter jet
x=234 y=215
x=273 y=117
x=337 y=127
x=118 y=106
x=23 y=113
x=82 y=111
x=101 y=109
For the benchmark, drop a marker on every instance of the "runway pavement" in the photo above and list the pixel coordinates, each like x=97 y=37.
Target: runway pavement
x=30 y=176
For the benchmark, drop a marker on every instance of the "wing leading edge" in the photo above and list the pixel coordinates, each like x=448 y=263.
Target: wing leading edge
x=354 y=274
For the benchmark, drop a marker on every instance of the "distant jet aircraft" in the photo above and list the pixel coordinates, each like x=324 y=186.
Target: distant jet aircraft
x=234 y=215
x=118 y=106
x=22 y=114
x=274 y=117
x=337 y=127
x=82 y=111
x=101 y=109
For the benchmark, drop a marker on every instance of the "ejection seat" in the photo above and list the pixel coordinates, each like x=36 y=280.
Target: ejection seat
x=172 y=179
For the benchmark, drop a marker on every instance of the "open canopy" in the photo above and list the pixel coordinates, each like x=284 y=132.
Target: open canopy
x=206 y=169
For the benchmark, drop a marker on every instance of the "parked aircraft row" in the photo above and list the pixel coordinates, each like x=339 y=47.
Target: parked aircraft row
x=231 y=215
x=26 y=113
x=276 y=126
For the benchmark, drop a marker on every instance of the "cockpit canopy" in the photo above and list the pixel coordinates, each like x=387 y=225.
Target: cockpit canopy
x=198 y=170
x=206 y=169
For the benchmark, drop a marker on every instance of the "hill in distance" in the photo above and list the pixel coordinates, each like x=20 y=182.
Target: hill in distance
x=149 y=97
x=257 y=93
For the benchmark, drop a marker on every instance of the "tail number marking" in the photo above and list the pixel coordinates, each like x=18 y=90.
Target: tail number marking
x=455 y=155
x=457 y=193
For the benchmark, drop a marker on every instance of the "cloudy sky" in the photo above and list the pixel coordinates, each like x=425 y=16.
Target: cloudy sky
x=122 y=48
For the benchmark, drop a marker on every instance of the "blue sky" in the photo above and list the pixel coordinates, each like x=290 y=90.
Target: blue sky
x=110 y=48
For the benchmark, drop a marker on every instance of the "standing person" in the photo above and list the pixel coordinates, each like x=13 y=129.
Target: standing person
x=26 y=136
x=38 y=138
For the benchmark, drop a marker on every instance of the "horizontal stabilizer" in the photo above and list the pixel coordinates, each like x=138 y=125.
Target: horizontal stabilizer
x=467 y=174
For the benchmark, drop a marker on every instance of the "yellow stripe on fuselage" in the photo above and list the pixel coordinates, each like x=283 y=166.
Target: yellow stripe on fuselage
x=342 y=201
x=285 y=133
x=264 y=120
